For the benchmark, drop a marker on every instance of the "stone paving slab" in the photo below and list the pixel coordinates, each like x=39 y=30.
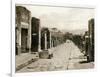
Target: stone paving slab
x=25 y=59
x=65 y=57
x=89 y=65
x=75 y=64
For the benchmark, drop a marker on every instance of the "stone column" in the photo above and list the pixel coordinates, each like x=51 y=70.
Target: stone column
x=29 y=34
x=56 y=41
x=51 y=43
x=39 y=39
x=45 y=36
x=19 y=40
x=50 y=40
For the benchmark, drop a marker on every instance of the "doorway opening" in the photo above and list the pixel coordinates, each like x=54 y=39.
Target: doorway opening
x=24 y=37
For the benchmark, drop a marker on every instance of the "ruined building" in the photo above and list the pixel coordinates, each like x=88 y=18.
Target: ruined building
x=51 y=37
x=89 y=41
x=23 y=30
x=35 y=33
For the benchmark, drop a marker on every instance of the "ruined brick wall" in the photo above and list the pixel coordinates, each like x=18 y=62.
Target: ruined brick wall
x=23 y=19
x=91 y=39
x=35 y=23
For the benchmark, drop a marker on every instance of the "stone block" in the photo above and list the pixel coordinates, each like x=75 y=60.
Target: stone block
x=44 y=54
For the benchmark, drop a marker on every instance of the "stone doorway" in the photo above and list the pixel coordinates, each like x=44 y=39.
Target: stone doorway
x=24 y=37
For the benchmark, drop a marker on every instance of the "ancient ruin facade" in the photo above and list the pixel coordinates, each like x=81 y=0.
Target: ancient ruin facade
x=35 y=33
x=91 y=39
x=51 y=37
x=23 y=30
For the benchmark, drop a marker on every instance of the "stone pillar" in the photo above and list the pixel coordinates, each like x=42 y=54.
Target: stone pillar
x=56 y=41
x=45 y=36
x=50 y=41
x=53 y=43
x=39 y=39
x=29 y=34
x=19 y=40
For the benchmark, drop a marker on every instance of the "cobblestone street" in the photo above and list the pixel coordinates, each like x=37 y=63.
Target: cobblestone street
x=65 y=57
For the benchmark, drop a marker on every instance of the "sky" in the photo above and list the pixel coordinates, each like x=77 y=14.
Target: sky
x=63 y=18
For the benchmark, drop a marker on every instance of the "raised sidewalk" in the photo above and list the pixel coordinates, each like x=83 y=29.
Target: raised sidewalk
x=24 y=59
